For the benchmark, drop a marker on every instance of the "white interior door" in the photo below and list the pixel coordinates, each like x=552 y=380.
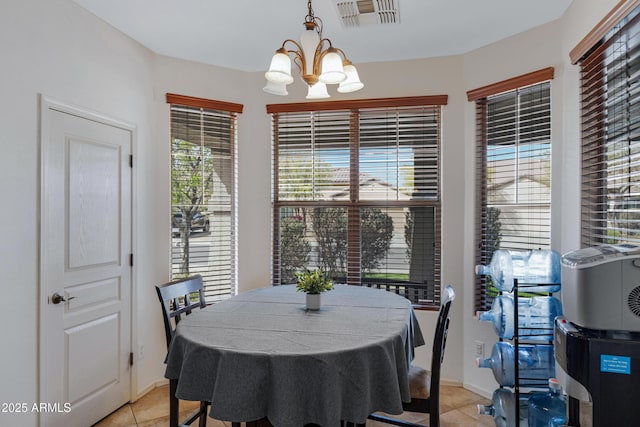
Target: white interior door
x=85 y=281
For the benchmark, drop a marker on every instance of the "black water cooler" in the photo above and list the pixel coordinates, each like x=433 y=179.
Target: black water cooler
x=607 y=366
x=597 y=342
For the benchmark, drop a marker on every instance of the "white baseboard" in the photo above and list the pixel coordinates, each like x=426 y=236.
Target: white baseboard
x=476 y=390
x=150 y=387
x=451 y=383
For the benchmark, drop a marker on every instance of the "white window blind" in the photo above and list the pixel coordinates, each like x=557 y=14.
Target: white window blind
x=402 y=148
x=203 y=182
x=313 y=155
x=513 y=175
x=357 y=192
x=610 y=82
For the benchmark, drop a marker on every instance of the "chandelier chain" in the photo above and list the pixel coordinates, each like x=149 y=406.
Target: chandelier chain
x=309 y=17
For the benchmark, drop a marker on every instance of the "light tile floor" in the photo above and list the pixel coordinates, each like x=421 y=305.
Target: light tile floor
x=457 y=407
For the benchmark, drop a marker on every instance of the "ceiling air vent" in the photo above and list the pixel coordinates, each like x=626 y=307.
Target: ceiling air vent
x=360 y=13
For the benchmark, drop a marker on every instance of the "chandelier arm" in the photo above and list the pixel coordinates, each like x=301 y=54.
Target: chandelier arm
x=319 y=25
x=320 y=52
x=341 y=52
x=322 y=40
x=298 y=61
x=298 y=52
x=295 y=43
x=317 y=58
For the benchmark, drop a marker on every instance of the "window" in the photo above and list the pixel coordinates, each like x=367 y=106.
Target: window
x=203 y=187
x=357 y=192
x=610 y=84
x=513 y=172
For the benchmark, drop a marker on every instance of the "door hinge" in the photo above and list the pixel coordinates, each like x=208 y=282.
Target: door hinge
x=131 y=260
x=131 y=359
x=130 y=160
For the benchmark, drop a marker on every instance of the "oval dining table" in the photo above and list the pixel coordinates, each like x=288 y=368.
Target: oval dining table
x=262 y=354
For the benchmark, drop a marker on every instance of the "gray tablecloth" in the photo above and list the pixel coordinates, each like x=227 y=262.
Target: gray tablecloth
x=261 y=354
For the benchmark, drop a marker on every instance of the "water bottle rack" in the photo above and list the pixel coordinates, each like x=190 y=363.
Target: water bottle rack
x=531 y=383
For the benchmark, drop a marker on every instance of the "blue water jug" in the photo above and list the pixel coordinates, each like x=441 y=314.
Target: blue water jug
x=503 y=410
x=535 y=317
x=548 y=409
x=536 y=363
x=536 y=271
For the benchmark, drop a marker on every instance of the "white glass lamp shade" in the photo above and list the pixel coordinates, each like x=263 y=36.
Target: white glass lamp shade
x=280 y=68
x=332 y=71
x=352 y=83
x=318 y=91
x=276 y=88
x=309 y=40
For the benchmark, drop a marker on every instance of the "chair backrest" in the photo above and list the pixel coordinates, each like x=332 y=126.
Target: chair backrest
x=439 y=342
x=175 y=300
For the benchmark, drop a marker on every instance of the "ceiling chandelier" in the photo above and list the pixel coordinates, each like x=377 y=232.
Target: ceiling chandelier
x=318 y=61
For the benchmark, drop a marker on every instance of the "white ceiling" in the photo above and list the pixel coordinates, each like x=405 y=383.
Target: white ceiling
x=244 y=34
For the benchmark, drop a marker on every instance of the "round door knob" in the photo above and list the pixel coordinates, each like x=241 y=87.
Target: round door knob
x=57 y=298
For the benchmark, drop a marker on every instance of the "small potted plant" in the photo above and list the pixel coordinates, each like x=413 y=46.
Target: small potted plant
x=313 y=283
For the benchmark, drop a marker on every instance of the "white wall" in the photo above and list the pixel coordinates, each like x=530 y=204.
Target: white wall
x=520 y=54
x=56 y=48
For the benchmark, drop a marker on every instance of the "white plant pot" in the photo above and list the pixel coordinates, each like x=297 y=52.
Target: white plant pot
x=313 y=301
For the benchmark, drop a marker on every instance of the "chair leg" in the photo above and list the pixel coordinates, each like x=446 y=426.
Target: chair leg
x=173 y=404
x=434 y=419
x=203 y=414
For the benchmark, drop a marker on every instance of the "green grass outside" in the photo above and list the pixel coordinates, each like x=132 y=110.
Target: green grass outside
x=392 y=276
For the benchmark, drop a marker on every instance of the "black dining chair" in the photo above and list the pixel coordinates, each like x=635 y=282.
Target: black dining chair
x=425 y=385
x=176 y=301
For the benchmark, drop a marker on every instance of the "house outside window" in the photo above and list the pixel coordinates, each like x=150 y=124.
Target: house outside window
x=203 y=189
x=357 y=192
x=513 y=170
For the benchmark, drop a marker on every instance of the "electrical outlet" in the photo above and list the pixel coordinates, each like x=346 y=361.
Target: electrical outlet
x=140 y=352
x=479 y=348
